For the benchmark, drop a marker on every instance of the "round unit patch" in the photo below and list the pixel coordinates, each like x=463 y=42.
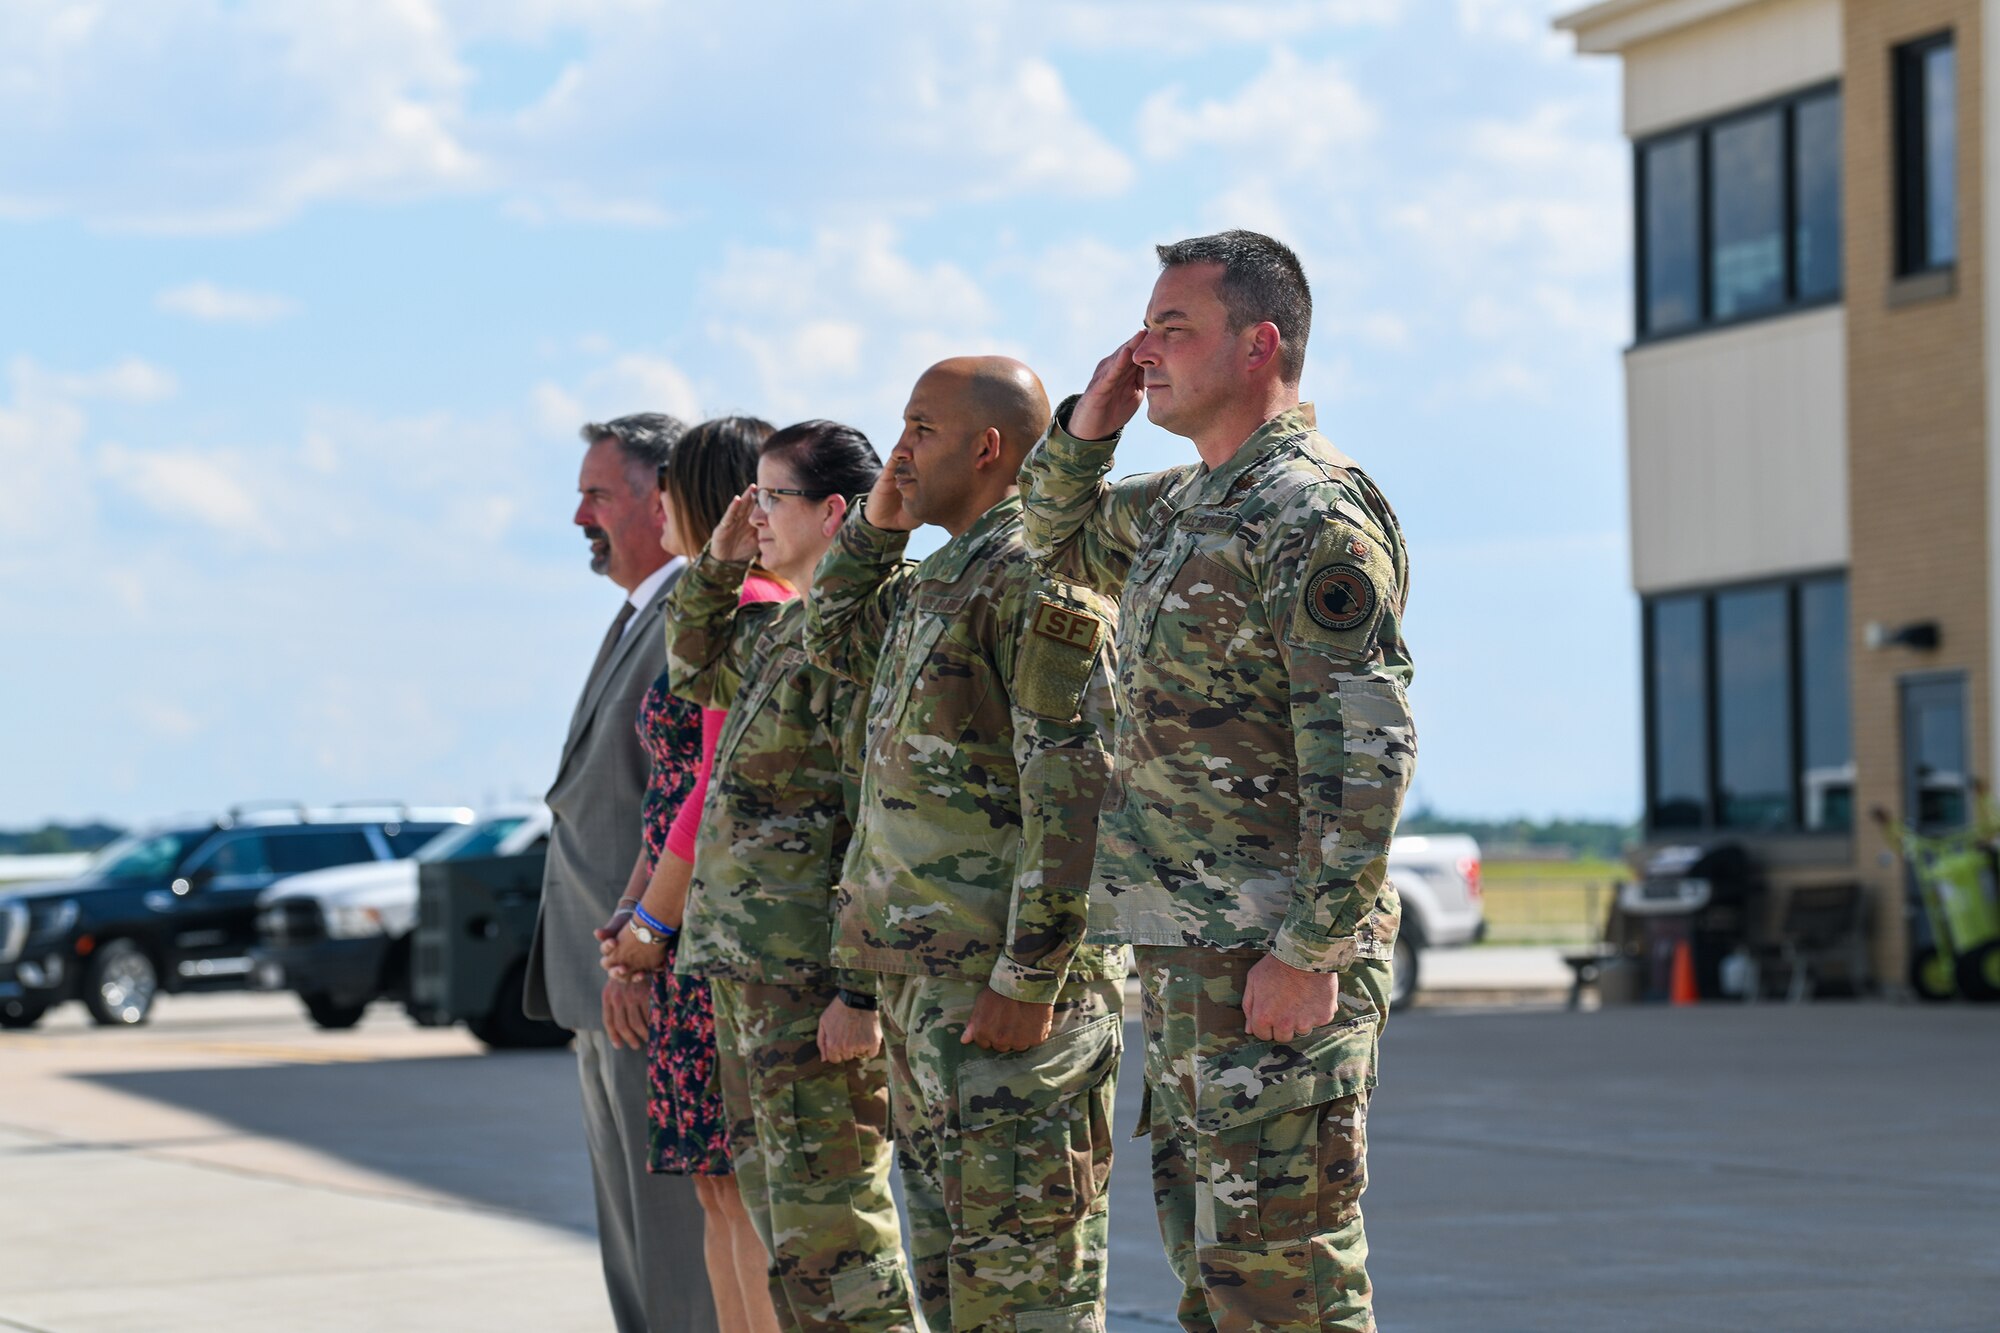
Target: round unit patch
x=1340 y=598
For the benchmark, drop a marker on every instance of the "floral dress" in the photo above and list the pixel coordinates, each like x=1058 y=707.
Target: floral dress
x=689 y=1134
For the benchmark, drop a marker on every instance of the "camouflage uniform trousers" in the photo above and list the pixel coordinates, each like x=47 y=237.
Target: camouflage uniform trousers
x=810 y=1142
x=1260 y=1149
x=1006 y=1157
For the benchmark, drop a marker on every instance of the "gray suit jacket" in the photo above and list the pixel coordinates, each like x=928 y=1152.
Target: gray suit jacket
x=596 y=801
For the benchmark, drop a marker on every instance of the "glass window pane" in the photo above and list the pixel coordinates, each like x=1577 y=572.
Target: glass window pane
x=1941 y=155
x=1671 y=235
x=1679 y=687
x=1816 y=183
x=1753 y=716
x=1828 y=780
x=1746 y=193
x=244 y=854
x=293 y=853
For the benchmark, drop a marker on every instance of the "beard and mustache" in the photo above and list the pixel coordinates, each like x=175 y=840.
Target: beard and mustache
x=600 y=549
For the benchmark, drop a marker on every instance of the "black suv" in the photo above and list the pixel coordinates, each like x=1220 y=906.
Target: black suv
x=175 y=908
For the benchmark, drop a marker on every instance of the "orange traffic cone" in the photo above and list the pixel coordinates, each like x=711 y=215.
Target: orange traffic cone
x=1681 y=990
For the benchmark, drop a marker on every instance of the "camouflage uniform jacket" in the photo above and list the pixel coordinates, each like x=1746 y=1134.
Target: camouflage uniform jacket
x=983 y=760
x=779 y=811
x=1264 y=739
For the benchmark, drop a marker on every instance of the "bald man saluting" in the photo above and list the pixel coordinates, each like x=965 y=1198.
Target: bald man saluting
x=966 y=884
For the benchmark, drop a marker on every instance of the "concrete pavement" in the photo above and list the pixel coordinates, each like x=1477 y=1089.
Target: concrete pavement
x=1716 y=1168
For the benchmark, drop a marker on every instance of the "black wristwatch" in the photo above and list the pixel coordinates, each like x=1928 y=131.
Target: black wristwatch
x=854 y=999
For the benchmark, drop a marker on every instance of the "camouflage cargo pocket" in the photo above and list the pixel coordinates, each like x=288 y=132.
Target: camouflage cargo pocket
x=1285 y=1177
x=815 y=1122
x=1034 y=1137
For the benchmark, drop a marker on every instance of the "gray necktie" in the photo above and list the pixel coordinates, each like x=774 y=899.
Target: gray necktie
x=611 y=640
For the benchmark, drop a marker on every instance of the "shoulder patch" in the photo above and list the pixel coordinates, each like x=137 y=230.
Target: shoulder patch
x=1341 y=597
x=1066 y=625
x=1348 y=586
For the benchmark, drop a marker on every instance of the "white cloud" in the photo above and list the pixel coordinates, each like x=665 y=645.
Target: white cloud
x=1195 y=26
x=1292 y=114
x=218 y=305
x=208 y=487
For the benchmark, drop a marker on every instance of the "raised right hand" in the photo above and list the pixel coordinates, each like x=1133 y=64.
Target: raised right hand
x=885 y=504
x=734 y=539
x=1116 y=392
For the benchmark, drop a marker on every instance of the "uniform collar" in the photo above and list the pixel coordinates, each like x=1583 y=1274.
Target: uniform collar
x=1263 y=442
x=949 y=562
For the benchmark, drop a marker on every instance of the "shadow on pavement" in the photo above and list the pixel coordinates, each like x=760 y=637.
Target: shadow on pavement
x=499 y=1131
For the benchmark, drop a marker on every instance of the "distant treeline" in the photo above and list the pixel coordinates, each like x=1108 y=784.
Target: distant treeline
x=1568 y=838
x=52 y=838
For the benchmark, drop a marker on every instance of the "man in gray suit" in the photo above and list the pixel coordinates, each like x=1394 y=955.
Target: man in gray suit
x=649 y=1226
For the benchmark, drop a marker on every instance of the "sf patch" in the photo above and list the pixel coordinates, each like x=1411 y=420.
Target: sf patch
x=1071 y=628
x=1056 y=660
x=1341 y=597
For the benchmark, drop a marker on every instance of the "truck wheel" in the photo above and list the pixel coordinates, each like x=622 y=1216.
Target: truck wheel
x=332 y=1016
x=120 y=985
x=1979 y=973
x=1403 y=973
x=19 y=1014
x=505 y=1028
x=1931 y=977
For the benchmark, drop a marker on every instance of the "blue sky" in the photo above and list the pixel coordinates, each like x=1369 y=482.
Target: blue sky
x=300 y=307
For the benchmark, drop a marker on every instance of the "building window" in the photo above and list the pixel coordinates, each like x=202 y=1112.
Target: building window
x=1740 y=217
x=1677 y=662
x=1926 y=155
x=1746 y=215
x=1816 y=194
x=1827 y=742
x=1672 y=184
x=1747 y=709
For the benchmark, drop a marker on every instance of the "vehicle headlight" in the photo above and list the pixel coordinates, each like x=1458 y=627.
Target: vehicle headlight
x=13 y=930
x=54 y=918
x=348 y=923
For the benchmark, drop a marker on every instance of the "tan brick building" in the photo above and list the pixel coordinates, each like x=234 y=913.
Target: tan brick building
x=1811 y=434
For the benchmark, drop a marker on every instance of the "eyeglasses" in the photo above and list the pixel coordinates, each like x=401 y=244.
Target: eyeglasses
x=767 y=496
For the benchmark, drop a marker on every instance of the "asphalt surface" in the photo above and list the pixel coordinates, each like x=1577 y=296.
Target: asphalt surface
x=1814 y=1167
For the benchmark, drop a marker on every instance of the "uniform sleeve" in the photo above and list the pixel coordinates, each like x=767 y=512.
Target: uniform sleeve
x=855 y=593
x=710 y=631
x=1077 y=525
x=841 y=719
x=1333 y=586
x=1057 y=664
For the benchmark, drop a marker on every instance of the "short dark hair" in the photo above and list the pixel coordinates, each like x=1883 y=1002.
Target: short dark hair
x=709 y=466
x=645 y=439
x=1261 y=280
x=827 y=457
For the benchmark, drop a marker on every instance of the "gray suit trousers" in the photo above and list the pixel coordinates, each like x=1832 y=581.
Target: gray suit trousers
x=649 y=1227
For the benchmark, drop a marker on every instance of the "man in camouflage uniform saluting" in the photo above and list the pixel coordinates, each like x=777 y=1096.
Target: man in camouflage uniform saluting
x=967 y=881
x=1263 y=747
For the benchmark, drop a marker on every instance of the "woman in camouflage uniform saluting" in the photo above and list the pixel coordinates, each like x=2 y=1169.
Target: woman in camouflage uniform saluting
x=803 y=1076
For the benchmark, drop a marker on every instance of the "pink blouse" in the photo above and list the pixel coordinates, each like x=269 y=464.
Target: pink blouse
x=687 y=819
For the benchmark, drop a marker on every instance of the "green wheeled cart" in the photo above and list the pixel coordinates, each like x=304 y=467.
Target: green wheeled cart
x=1955 y=874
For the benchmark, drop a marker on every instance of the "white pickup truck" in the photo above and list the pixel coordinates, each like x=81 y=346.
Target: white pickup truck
x=1437 y=876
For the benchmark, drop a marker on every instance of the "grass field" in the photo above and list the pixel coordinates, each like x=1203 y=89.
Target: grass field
x=1548 y=902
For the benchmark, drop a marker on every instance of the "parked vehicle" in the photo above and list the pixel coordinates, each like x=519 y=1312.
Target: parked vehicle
x=1437 y=877
x=175 y=908
x=469 y=956
x=341 y=937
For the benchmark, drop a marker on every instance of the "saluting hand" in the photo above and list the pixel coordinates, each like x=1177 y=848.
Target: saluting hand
x=1281 y=1002
x=885 y=503
x=734 y=539
x=1116 y=392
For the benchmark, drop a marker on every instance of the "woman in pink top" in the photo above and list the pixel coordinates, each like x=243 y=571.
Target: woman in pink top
x=689 y=1133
